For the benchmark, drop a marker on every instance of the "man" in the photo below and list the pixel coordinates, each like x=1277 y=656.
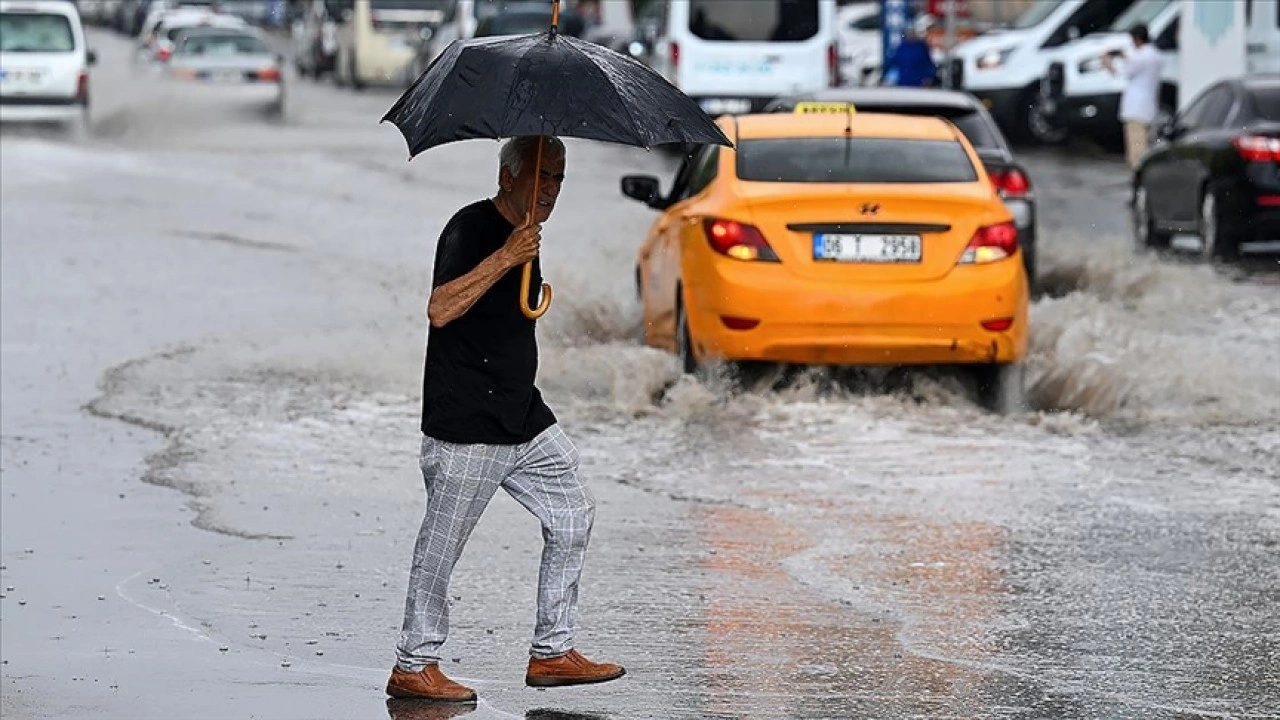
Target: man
x=1141 y=97
x=911 y=64
x=485 y=426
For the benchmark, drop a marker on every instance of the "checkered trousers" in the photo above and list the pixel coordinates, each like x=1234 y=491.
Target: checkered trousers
x=542 y=475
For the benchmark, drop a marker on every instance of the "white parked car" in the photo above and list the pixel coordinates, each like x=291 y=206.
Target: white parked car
x=229 y=66
x=860 y=39
x=44 y=63
x=157 y=39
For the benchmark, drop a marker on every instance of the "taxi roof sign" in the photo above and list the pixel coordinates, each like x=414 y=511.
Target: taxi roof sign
x=805 y=108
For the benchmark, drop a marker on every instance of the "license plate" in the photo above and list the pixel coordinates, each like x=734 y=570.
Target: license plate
x=867 y=248
x=222 y=76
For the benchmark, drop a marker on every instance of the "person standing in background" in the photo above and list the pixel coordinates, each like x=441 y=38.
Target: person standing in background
x=912 y=63
x=1140 y=100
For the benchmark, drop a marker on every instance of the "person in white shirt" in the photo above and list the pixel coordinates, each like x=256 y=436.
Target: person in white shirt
x=1141 y=98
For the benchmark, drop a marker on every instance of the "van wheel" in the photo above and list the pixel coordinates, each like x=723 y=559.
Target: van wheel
x=1038 y=126
x=1001 y=388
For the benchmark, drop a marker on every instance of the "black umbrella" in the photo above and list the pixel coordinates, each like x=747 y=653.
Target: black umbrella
x=545 y=85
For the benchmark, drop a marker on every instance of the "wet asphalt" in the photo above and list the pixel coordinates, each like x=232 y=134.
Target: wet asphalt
x=212 y=328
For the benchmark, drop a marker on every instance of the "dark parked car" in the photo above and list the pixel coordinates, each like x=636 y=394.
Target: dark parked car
x=969 y=115
x=1214 y=171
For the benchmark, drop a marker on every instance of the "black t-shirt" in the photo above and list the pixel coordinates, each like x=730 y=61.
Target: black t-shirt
x=478 y=383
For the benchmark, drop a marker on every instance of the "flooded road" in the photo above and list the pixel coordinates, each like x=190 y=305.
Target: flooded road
x=206 y=300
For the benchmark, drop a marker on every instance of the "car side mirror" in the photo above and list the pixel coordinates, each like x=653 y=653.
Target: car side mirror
x=1168 y=130
x=644 y=188
x=91 y=57
x=1073 y=33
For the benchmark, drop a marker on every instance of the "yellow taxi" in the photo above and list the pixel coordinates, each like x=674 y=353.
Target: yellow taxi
x=835 y=237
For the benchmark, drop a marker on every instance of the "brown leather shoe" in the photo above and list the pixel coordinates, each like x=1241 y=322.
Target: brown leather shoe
x=427 y=684
x=569 y=669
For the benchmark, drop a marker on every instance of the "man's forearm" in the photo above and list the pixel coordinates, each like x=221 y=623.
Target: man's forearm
x=453 y=299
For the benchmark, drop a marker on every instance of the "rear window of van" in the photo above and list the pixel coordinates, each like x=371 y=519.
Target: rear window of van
x=854 y=160
x=35 y=33
x=755 y=21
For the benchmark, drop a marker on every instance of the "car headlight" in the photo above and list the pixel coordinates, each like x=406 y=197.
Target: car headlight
x=992 y=59
x=1092 y=65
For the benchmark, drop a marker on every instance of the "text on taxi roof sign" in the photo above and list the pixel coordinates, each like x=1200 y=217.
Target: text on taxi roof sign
x=804 y=108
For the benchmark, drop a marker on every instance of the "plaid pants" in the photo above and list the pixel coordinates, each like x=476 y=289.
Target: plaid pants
x=542 y=475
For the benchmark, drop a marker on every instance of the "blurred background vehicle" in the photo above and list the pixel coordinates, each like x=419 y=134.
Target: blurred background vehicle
x=1010 y=177
x=313 y=39
x=782 y=250
x=1213 y=176
x=44 y=63
x=1004 y=68
x=377 y=40
x=228 y=65
x=1080 y=96
x=737 y=57
x=859 y=33
x=525 y=18
x=156 y=42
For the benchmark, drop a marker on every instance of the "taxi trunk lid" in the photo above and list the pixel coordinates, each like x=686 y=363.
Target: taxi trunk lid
x=850 y=233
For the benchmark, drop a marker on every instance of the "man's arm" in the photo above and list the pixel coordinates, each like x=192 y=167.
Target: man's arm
x=453 y=299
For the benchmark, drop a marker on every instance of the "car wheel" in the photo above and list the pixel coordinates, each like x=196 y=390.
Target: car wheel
x=1145 y=236
x=1001 y=388
x=1215 y=242
x=1038 y=126
x=684 y=342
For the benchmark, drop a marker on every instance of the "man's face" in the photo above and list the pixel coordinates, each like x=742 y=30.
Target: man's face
x=552 y=176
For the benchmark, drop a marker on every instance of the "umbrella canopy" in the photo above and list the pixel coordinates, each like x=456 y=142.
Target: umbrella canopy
x=546 y=84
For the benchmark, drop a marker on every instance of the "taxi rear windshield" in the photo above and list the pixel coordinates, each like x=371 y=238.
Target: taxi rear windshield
x=854 y=160
x=35 y=33
x=755 y=21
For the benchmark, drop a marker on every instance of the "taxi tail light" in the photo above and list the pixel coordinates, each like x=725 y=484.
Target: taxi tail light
x=997 y=324
x=833 y=65
x=1011 y=182
x=1258 y=148
x=270 y=74
x=991 y=243
x=738 y=240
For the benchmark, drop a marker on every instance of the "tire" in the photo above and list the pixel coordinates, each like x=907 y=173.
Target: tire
x=1001 y=388
x=1038 y=127
x=1145 y=235
x=1029 y=264
x=1216 y=242
x=684 y=342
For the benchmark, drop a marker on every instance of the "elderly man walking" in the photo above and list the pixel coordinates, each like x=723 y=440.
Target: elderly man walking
x=485 y=426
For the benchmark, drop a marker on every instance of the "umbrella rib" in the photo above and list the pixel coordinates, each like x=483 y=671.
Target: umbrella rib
x=626 y=108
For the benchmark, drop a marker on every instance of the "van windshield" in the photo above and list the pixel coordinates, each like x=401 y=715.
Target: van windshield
x=1035 y=14
x=35 y=33
x=1143 y=11
x=755 y=21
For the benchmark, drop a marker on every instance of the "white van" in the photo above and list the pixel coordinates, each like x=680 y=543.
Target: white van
x=1003 y=68
x=1086 y=97
x=377 y=40
x=44 y=63
x=736 y=57
x=1083 y=96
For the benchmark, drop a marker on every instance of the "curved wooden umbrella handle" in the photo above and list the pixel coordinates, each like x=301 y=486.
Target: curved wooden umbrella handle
x=543 y=305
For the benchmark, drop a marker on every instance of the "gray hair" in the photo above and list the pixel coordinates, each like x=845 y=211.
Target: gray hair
x=515 y=150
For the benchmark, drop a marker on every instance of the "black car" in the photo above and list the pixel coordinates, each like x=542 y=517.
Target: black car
x=1214 y=171
x=973 y=120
